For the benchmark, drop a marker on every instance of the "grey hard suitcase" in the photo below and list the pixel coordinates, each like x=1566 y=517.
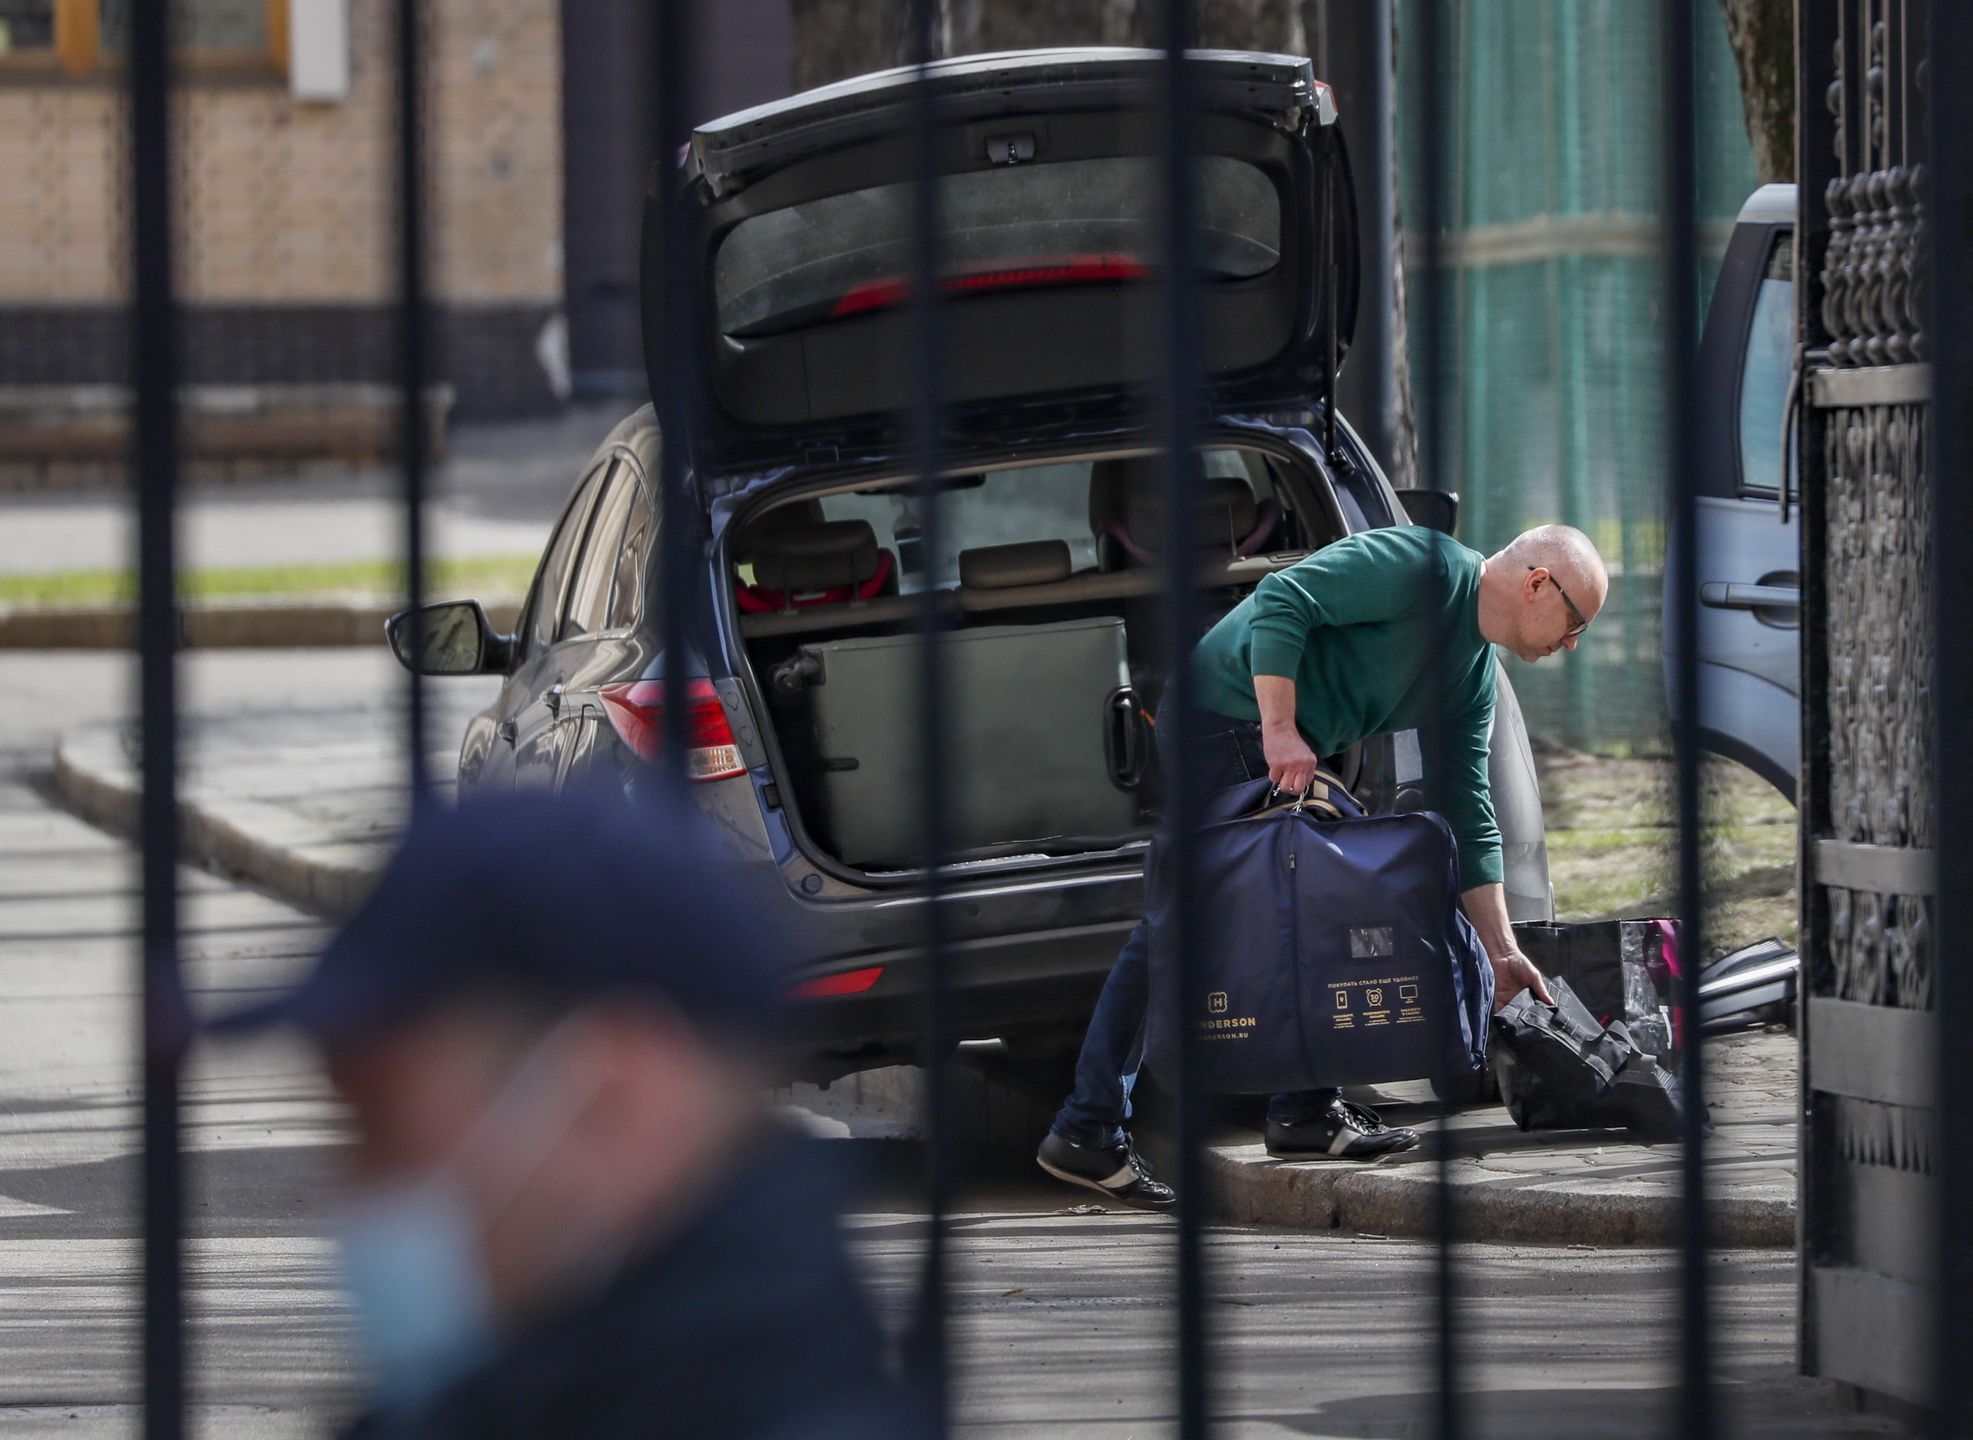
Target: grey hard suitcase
x=1043 y=739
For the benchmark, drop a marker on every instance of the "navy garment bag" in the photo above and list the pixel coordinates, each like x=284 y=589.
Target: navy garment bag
x=1333 y=948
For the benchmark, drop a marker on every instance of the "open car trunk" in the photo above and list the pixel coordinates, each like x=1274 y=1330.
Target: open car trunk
x=1048 y=580
x=1051 y=233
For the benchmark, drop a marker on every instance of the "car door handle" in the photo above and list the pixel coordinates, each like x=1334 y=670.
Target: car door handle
x=553 y=700
x=507 y=730
x=1720 y=595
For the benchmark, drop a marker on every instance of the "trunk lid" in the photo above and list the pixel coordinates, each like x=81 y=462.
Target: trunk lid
x=1049 y=173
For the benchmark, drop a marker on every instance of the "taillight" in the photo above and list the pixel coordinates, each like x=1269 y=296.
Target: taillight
x=637 y=713
x=843 y=982
x=1029 y=275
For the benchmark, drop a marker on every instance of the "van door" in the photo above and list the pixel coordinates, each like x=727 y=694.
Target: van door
x=1748 y=543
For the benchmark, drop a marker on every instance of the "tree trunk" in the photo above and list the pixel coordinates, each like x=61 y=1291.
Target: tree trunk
x=1404 y=423
x=974 y=27
x=1272 y=25
x=834 y=39
x=1763 y=37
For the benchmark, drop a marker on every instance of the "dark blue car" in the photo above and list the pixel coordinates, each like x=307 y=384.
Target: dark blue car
x=804 y=722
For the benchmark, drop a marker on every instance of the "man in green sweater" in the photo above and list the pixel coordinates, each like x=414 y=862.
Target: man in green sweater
x=1388 y=630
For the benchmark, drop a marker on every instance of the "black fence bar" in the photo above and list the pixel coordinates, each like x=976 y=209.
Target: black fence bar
x=1427 y=34
x=1181 y=388
x=1950 y=331
x=154 y=371
x=1681 y=311
x=674 y=32
x=928 y=1357
x=412 y=350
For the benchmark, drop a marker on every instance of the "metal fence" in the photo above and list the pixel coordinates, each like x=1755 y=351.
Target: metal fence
x=1174 y=422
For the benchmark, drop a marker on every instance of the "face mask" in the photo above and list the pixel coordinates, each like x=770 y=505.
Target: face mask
x=410 y=1248
x=411 y=1262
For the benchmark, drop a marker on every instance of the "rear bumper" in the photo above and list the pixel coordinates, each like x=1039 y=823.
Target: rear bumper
x=1000 y=987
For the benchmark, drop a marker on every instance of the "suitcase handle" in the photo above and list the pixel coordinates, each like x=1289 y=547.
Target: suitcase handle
x=1123 y=738
x=1319 y=797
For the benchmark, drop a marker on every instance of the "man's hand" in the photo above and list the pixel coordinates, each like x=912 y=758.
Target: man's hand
x=1290 y=763
x=1513 y=973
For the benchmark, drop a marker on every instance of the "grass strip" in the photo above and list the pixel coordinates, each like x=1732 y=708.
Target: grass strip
x=479 y=577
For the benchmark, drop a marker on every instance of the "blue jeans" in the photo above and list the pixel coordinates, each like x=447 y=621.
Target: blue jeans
x=1113 y=1047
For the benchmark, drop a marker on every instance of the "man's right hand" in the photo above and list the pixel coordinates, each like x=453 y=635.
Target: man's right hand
x=1290 y=763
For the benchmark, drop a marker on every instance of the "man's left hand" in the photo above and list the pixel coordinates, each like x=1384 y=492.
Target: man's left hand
x=1513 y=973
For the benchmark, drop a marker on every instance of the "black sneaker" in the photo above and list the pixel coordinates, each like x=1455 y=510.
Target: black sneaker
x=1346 y=1131
x=1112 y=1170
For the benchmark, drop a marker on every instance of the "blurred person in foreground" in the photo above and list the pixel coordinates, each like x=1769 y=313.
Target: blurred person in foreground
x=568 y=1210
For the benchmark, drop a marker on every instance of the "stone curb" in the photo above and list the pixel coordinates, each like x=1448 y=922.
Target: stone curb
x=1399 y=1199
x=258 y=843
x=269 y=625
x=1396 y=1198
x=273 y=848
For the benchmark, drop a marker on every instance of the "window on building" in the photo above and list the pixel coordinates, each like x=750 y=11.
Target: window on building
x=27 y=28
x=82 y=37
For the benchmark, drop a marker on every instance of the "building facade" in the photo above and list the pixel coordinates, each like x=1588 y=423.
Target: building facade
x=285 y=195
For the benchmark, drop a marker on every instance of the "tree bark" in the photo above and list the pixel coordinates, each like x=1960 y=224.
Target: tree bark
x=974 y=27
x=1763 y=36
x=834 y=39
x=1271 y=25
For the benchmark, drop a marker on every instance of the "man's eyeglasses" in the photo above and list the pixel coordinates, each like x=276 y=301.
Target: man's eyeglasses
x=1581 y=624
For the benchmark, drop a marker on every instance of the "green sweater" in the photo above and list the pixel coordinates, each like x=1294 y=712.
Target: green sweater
x=1355 y=626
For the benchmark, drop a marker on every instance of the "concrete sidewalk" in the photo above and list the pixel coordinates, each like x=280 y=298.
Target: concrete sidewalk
x=306 y=804
x=497 y=491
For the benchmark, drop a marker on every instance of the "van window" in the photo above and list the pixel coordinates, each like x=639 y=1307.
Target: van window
x=1764 y=374
x=1011 y=227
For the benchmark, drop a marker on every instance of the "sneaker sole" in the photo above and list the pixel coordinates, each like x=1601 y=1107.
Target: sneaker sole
x=1088 y=1184
x=1298 y=1157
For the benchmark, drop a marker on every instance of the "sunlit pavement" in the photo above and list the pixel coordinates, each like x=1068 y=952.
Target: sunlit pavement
x=1063 y=1322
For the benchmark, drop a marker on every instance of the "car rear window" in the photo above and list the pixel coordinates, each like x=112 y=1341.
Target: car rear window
x=1012 y=227
x=999 y=507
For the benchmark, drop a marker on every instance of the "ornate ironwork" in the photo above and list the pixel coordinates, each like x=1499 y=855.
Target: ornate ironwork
x=1867 y=554
x=1873 y=291
x=1878 y=554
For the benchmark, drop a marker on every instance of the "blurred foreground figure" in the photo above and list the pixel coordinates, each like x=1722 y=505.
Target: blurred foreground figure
x=568 y=1211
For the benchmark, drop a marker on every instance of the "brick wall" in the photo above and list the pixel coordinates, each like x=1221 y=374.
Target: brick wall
x=286 y=212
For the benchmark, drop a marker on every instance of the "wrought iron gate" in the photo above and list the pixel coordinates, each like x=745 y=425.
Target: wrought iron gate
x=1882 y=321
x=1877 y=988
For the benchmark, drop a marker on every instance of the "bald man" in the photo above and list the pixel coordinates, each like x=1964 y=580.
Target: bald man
x=1389 y=630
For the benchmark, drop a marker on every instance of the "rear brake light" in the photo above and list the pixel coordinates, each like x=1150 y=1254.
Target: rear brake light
x=1070 y=270
x=637 y=713
x=845 y=982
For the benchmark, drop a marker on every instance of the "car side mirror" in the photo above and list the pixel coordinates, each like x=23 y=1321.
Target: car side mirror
x=453 y=638
x=1434 y=509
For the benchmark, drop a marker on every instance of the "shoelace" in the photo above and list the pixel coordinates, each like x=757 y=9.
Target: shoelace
x=1136 y=1161
x=1364 y=1120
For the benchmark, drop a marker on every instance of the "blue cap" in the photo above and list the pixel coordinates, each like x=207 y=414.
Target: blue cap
x=568 y=897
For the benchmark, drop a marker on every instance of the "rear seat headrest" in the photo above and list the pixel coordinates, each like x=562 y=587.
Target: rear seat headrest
x=815 y=557
x=1127 y=507
x=795 y=515
x=1003 y=567
x=1228 y=513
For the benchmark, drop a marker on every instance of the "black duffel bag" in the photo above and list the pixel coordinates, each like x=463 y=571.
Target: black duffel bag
x=1561 y=1069
x=1332 y=947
